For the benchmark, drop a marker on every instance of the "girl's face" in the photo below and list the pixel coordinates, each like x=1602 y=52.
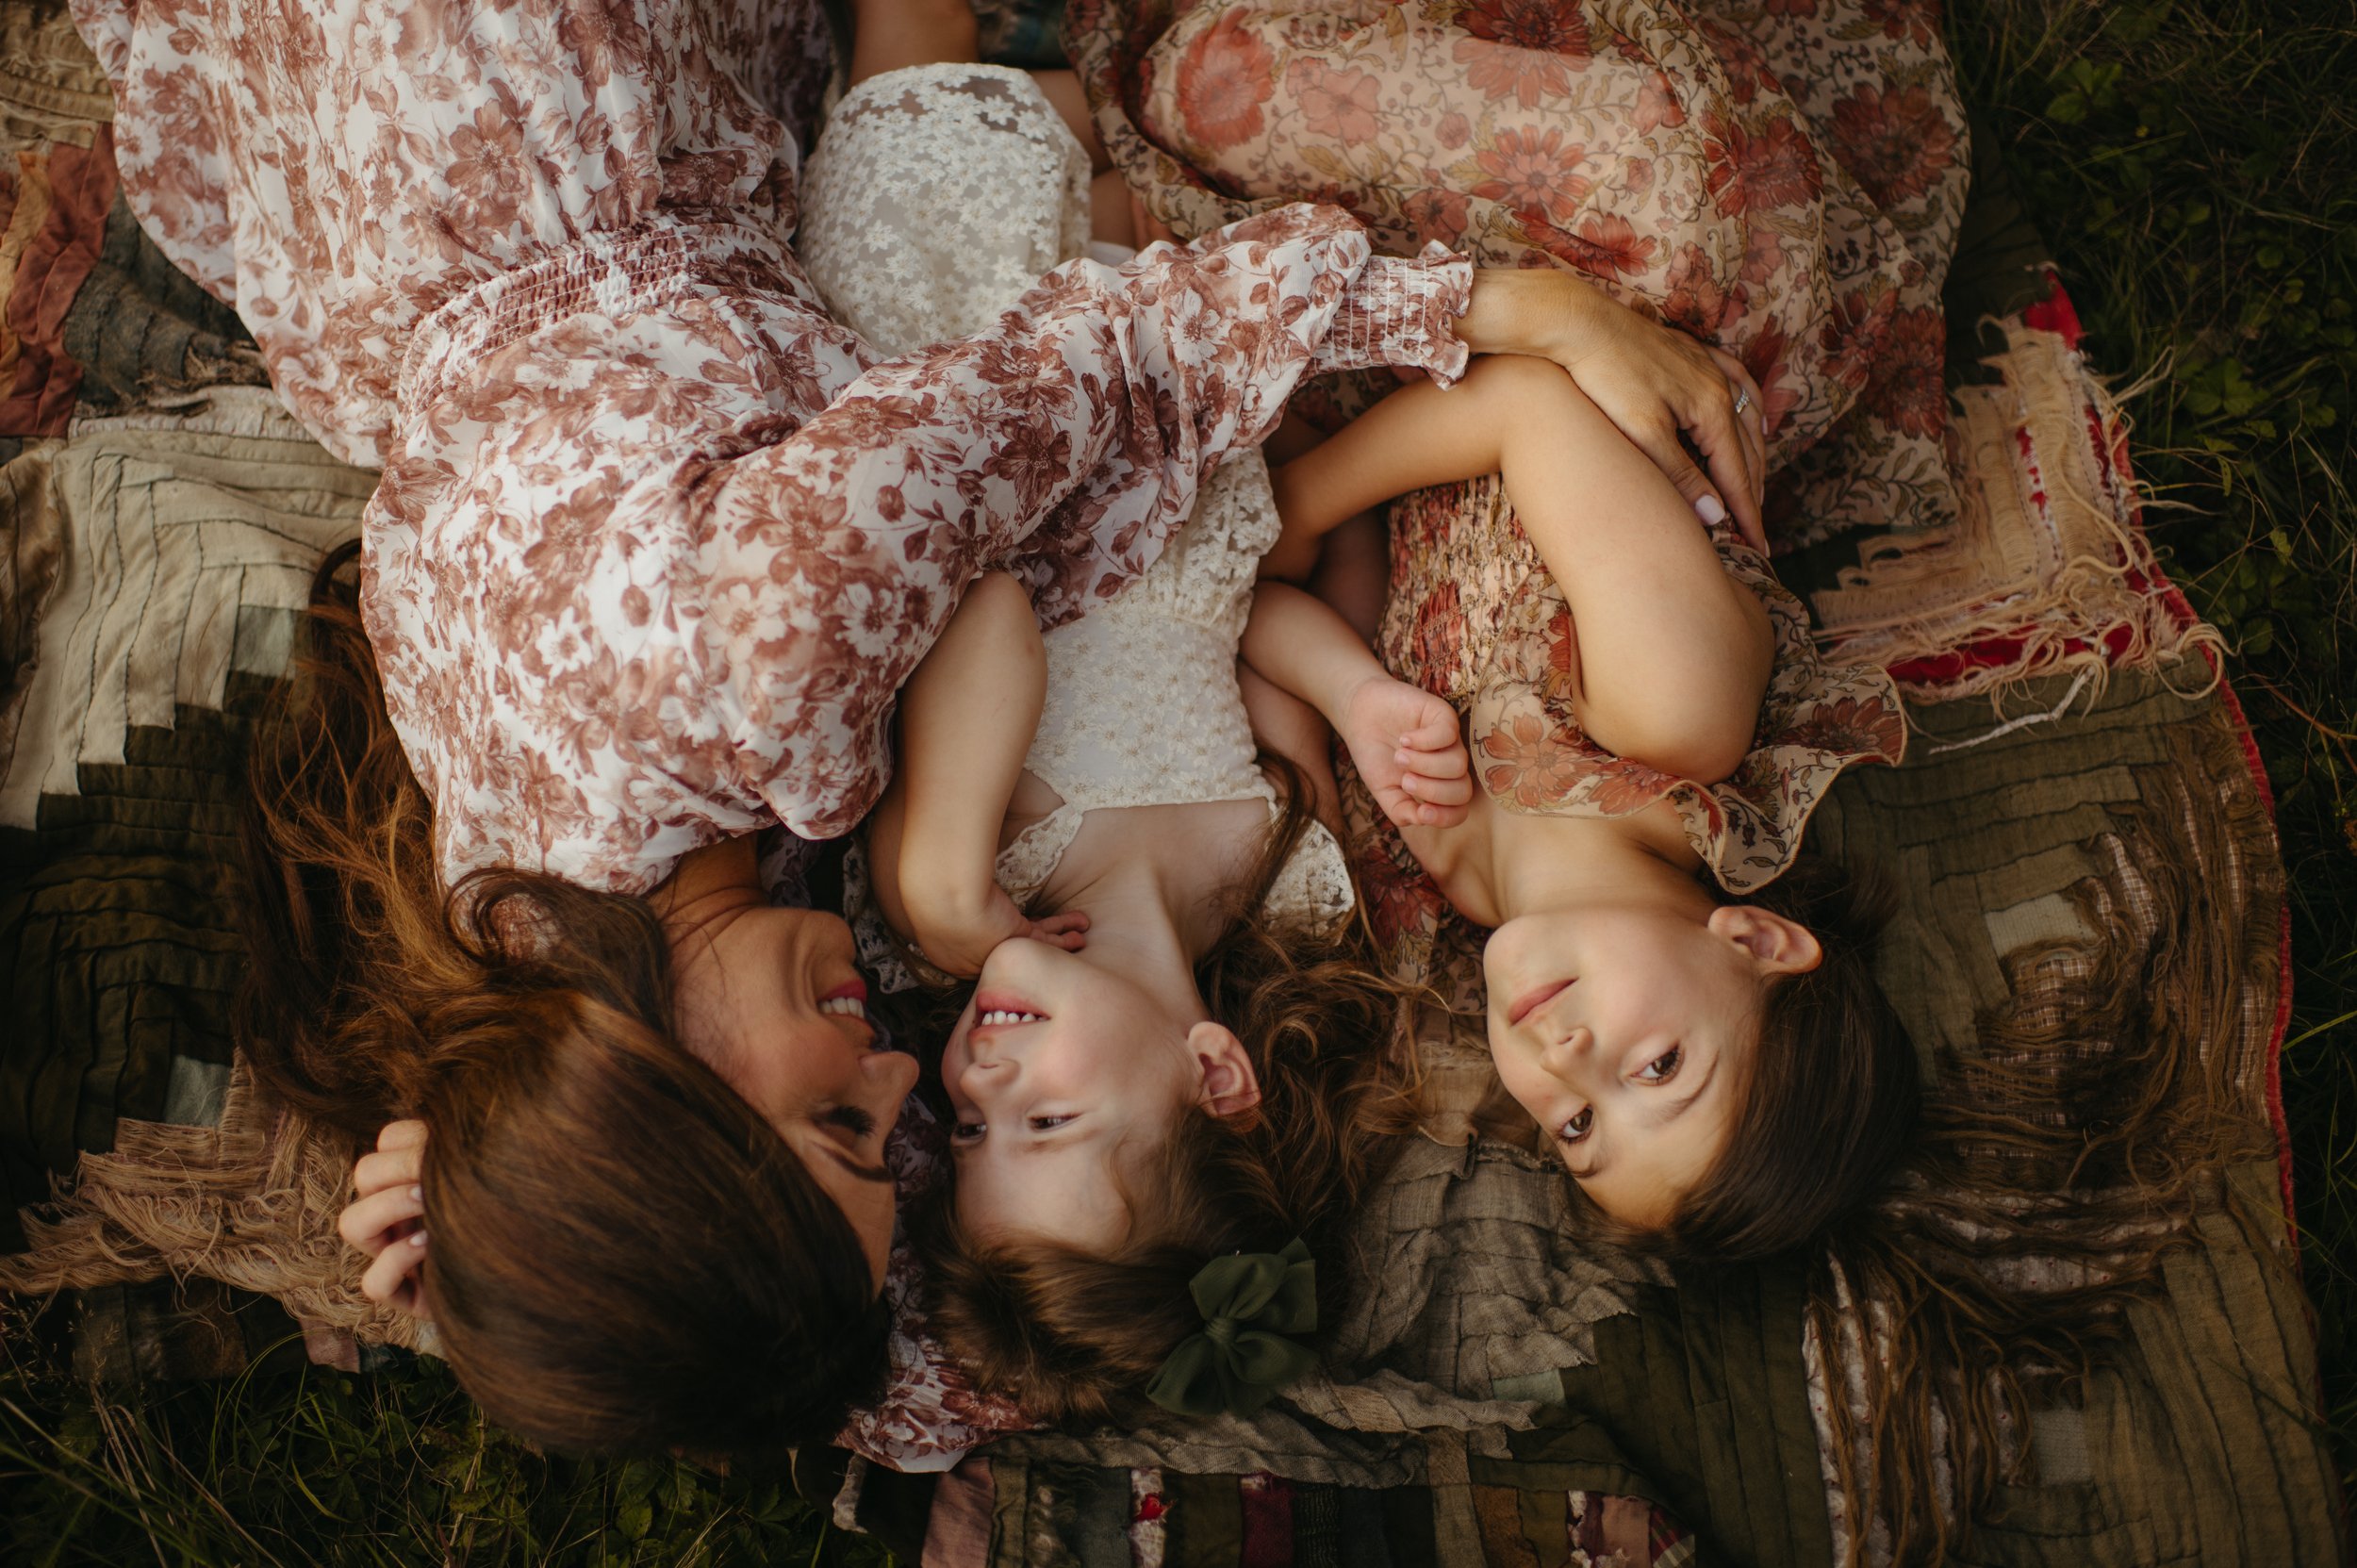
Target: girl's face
x=770 y=998
x=1627 y=1032
x=1064 y=1077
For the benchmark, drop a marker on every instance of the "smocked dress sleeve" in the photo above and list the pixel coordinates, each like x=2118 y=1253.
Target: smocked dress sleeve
x=722 y=647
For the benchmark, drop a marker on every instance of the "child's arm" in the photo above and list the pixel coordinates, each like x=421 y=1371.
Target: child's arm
x=1290 y=727
x=1670 y=655
x=968 y=717
x=1405 y=741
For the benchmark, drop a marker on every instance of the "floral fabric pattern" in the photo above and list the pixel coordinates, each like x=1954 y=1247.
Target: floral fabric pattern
x=1781 y=178
x=1474 y=617
x=656 y=542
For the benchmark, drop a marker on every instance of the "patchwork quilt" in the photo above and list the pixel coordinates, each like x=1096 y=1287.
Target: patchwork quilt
x=2079 y=779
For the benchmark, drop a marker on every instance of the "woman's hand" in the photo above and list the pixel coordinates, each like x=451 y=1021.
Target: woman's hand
x=388 y=1219
x=1651 y=381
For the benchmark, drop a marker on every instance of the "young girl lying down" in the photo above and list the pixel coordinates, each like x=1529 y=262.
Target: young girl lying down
x=1715 y=1063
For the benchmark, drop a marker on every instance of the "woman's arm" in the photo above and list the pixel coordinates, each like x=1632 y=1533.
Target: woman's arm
x=1405 y=741
x=1653 y=382
x=1068 y=441
x=968 y=717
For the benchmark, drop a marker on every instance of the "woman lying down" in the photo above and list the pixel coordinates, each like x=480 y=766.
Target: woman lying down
x=1170 y=1085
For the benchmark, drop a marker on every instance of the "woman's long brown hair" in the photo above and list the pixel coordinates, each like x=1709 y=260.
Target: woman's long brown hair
x=625 y=1257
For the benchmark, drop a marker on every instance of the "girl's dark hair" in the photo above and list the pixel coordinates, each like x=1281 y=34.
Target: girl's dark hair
x=1072 y=1333
x=1830 y=1095
x=626 y=1257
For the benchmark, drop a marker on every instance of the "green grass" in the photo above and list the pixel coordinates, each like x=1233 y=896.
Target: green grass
x=2195 y=169
x=298 y=1465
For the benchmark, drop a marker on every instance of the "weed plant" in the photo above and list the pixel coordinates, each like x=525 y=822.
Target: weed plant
x=2195 y=169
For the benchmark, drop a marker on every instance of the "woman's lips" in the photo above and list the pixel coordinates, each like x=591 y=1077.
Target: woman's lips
x=854 y=988
x=1533 y=999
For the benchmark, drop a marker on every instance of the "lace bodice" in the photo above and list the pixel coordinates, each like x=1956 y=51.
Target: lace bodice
x=924 y=214
x=1143 y=708
x=1142 y=705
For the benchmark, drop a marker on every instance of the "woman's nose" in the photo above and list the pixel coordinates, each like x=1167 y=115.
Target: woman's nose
x=891 y=1074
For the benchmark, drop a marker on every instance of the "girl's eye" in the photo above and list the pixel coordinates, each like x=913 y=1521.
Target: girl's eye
x=1047 y=1124
x=1576 y=1128
x=966 y=1133
x=1663 y=1067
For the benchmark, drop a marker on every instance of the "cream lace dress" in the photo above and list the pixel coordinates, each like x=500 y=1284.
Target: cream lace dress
x=1142 y=704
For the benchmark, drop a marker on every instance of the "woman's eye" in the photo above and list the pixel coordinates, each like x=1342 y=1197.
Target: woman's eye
x=966 y=1133
x=1047 y=1124
x=1576 y=1128
x=1663 y=1067
x=858 y=1123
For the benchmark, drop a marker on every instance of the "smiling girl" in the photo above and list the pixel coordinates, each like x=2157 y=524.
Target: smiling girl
x=1689 y=1015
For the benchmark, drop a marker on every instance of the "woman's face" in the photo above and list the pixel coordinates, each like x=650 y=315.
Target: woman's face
x=1627 y=1032
x=1065 y=1076
x=770 y=998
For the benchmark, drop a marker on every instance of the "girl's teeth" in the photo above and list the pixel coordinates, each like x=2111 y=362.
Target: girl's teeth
x=1002 y=1017
x=848 y=1007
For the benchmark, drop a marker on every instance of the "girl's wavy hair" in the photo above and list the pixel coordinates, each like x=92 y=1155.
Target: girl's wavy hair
x=626 y=1257
x=1072 y=1333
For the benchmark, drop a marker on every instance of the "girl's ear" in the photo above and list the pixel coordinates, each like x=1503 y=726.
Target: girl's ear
x=1777 y=945
x=1230 y=1086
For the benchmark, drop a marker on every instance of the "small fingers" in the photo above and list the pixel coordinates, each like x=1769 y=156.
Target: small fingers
x=1444 y=760
x=1064 y=921
x=373 y=1223
x=1438 y=791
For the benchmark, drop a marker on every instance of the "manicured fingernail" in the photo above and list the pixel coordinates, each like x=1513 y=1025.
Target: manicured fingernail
x=417 y=1238
x=1710 y=509
x=417 y=1195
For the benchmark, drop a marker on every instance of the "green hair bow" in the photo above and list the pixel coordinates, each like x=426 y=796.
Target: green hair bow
x=1249 y=1301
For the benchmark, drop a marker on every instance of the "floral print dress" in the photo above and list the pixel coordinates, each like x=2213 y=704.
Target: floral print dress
x=1784 y=178
x=657 y=542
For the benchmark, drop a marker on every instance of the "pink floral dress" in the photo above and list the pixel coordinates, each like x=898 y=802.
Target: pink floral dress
x=1473 y=616
x=1781 y=177
x=656 y=542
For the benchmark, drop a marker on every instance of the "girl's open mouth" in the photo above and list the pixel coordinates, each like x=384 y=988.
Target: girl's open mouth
x=1000 y=1009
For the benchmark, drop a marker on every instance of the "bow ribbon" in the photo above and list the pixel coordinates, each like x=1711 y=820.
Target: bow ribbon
x=1249 y=1301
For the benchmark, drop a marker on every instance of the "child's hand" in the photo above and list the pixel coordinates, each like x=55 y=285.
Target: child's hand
x=386 y=1220
x=956 y=942
x=1406 y=743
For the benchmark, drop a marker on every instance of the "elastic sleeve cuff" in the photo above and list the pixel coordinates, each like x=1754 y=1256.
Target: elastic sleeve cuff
x=1399 y=312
